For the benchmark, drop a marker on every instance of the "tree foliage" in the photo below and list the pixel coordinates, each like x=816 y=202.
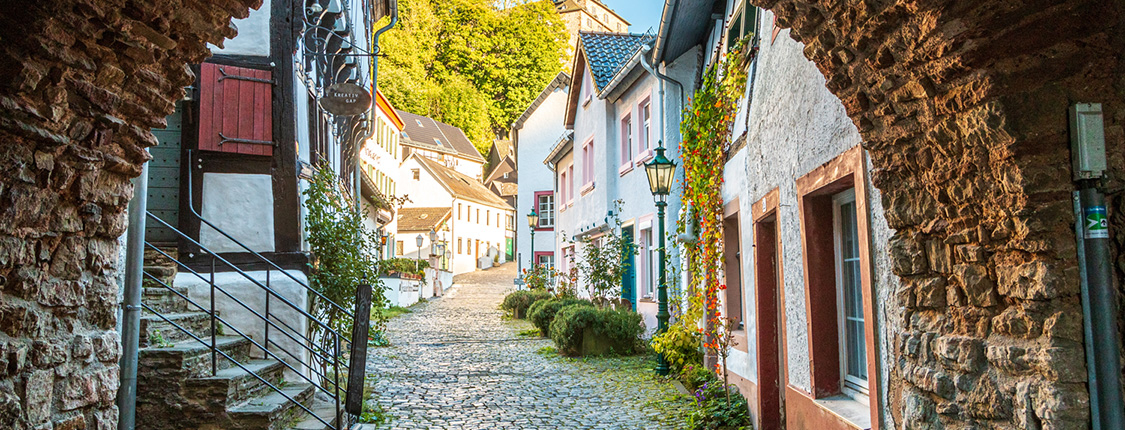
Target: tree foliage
x=474 y=64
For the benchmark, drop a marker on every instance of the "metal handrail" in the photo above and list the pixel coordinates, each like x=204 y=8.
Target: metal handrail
x=318 y=352
x=244 y=274
x=240 y=366
x=260 y=316
x=191 y=207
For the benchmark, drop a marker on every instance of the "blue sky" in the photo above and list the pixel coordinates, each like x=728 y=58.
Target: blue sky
x=641 y=14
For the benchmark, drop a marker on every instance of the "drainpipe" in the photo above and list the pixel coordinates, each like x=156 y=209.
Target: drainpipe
x=1099 y=301
x=662 y=78
x=131 y=307
x=374 y=93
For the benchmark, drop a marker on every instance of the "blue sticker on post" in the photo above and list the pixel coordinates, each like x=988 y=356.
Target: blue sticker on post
x=1097 y=226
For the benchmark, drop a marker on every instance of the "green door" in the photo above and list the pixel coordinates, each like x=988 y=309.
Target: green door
x=164 y=180
x=629 y=278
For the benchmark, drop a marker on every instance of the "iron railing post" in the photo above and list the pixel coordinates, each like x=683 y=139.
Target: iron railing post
x=336 y=372
x=267 y=319
x=214 y=329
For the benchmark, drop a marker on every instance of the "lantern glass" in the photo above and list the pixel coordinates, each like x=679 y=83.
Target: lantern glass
x=533 y=219
x=419 y=240
x=433 y=236
x=661 y=174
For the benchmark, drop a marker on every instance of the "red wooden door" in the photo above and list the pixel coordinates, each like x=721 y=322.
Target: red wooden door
x=235 y=110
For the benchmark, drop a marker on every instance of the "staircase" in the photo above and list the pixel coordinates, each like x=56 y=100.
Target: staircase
x=193 y=377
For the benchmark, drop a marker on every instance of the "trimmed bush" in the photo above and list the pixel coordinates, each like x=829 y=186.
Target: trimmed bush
x=611 y=331
x=518 y=302
x=680 y=346
x=543 y=312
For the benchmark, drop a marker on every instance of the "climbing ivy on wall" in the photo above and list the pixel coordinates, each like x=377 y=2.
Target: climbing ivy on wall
x=706 y=129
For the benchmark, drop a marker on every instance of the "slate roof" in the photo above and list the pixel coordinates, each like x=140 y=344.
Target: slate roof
x=422 y=219
x=507 y=189
x=562 y=80
x=460 y=185
x=427 y=132
x=607 y=52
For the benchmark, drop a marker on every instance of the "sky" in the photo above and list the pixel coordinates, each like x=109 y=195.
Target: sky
x=641 y=14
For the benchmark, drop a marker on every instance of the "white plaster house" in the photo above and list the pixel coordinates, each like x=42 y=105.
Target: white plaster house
x=476 y=230
x=805 y=258
x=534 y=134
x=614 y=121
x=440 y=142
x=379 y=160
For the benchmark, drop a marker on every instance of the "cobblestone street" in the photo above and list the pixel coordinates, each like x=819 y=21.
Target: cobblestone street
x=455 y=363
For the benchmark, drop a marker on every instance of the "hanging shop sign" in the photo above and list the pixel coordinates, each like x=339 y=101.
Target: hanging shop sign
x=345 y=99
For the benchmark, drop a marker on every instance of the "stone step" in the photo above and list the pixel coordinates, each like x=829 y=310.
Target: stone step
x=325 y=409
x=233 y=385
x=154 y=258
x=165 y=301
x=162 y=272
x=155 y=330
x=190 y=358
x=271 y=410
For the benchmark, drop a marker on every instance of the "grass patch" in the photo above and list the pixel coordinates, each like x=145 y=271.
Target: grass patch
x=548 y=351
x=390 y=312
x=529 y=333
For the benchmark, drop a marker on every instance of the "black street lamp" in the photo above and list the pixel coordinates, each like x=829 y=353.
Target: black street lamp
x=661 y=173
x=532 y=223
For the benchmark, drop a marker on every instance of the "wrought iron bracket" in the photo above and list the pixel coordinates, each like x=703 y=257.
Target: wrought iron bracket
x=243 y=78
x=223 y=139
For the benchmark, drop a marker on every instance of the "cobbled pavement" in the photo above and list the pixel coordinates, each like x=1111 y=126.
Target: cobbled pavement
x=455 y=363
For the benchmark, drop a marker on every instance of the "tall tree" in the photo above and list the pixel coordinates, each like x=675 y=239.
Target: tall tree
x=475 y=64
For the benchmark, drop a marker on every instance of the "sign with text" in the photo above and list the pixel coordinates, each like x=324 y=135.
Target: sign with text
x=345 y=99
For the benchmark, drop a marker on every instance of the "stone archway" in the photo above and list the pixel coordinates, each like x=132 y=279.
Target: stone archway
x=962 y=107
x=81 y=84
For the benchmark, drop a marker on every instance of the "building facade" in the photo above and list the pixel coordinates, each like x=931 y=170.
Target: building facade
x=478 y=225
x=441 y=142
x=534 y=134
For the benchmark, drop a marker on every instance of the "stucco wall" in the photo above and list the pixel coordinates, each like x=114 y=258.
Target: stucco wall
x=794 y=126
x=253 y=296
x=539 y=133
x=240 y=205
x=253 y=35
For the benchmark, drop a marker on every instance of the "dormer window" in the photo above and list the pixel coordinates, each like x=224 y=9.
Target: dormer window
x=419 y=122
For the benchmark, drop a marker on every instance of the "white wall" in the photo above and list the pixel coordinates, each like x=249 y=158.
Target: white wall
x=469 y=230
x=240 y=205
x=539 y=133
x=793 y=126
x=253 y=35
x=247 y=290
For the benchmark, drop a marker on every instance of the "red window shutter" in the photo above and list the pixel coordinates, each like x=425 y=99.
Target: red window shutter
x=235 y=110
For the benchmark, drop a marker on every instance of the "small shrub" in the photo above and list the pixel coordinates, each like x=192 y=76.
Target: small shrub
x=543 y=312
x=405 y=265
x=518 y=302
x=680 y=346
x=622 y=329
x=717 y=405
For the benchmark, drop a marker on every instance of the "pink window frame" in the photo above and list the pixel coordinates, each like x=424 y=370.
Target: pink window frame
x=554 y=216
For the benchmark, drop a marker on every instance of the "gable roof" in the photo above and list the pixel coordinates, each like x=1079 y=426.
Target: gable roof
x=506 y=165
x=426 y=132
x=506 y=189
x=502 y=147
x=422 y=219
x=562 y=80
x=606 y=53
x=460 y=185
x=603 y=56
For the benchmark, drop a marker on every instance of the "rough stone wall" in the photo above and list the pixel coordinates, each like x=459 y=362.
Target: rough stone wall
x=81 y=83
x=962 y=107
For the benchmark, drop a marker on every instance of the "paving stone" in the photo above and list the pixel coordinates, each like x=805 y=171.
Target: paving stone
x=456 y=363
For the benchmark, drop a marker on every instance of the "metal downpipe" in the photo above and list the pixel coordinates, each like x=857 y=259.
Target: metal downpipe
x=374 y=94
x=131 y=306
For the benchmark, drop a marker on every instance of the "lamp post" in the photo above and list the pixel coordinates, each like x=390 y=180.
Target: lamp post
x=532 y=223
x=418 y=241
x=661 y=173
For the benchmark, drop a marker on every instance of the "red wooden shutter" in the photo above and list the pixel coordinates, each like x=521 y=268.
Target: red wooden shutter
x=235 y=110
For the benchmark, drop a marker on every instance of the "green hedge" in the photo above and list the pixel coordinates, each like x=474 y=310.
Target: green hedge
x=405 y=265
x=622 y=329
x=541 y=313
x=518 y=302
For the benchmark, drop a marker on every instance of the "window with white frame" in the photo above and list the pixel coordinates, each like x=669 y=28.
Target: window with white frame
x=546 y=260
x=626 y=139
x=545 y=206
x=849 y=288
x=645 y=255
x=570 y=184
x=646 y=122
x=588 y=164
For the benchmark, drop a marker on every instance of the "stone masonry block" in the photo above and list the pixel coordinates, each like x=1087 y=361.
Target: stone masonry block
x=1036 y=280
x=979 y=289
x=960 y=353
x=907 y=256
